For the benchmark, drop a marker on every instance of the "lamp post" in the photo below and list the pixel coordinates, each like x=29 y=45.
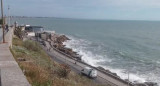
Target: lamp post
x=9 y=21
x=128 y=78
x=2 y=20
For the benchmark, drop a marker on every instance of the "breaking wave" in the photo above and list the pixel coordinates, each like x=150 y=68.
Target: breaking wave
x=86 y=50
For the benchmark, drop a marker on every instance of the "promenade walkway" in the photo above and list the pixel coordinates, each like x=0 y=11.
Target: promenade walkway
x=10 y=72
x=0 y=34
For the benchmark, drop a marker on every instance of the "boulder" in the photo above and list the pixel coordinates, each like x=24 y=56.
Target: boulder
x=101 y=68
x=61 y=39
x=140 y=84
x=21 y=59
x=151 y=83
x=115 y=74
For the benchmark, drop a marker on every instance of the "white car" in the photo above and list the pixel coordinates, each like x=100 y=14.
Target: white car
x=90 y=72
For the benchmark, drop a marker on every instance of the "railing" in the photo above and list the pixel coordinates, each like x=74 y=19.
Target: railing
x=102 y=71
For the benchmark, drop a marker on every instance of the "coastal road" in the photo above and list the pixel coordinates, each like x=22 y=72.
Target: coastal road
x=101 y=78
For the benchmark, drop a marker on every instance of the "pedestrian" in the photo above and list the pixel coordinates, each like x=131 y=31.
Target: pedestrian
x=16 y=24
x=7 y=29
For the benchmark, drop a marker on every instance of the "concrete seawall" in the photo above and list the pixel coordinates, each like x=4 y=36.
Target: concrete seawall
x=10 y=72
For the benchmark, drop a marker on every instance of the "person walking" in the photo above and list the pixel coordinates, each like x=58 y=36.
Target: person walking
x=7 y=29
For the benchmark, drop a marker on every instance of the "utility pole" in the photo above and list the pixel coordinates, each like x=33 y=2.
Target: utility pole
x=9 y=21
x=2 y=20
x=128 y=78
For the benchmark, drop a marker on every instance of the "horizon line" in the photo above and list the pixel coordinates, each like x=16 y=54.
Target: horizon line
x=82 y=18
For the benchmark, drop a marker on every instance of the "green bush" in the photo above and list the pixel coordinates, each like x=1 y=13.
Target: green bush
x=17 y=42
x=31 y=45
x=63 y=71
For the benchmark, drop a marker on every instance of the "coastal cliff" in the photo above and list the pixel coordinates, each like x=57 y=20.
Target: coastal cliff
x=41 y=70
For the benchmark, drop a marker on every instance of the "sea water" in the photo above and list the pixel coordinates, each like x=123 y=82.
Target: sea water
x=122 y=46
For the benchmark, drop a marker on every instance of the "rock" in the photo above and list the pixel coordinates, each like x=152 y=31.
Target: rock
x=140 y=84
x=43 y=36
x=115 y=74
x=126 y=80
x=146 y=84
x=21 y=59
x=54 y=37
x=108 y=71
x=76 y=56
x=56 y=41
x=151 y=83
x=101 y=68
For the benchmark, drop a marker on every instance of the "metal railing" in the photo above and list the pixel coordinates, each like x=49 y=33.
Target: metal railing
x=102 y=71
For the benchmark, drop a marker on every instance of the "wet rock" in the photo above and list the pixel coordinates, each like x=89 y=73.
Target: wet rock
x=151 y=83
x=140 y=84
x=126 y=80
x=115 y=74
x=101 y=68
x=56 y=41
x=61 y=39
x=108 y=71
x=146 y=84
x=76 y=56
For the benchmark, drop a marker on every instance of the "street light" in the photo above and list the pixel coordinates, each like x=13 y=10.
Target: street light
x=9 y=15
x=128 y=78
x=2 y=20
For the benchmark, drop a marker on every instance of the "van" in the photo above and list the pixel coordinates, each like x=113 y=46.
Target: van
x=90 y=72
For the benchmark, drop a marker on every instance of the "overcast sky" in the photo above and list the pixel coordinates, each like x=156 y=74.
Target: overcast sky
x=87 y=9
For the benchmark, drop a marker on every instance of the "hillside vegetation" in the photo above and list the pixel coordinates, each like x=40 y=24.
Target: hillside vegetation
x=41 y=70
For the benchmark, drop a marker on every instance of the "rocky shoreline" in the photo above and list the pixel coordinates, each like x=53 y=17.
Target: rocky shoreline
x=50 y=39
x=53 y=40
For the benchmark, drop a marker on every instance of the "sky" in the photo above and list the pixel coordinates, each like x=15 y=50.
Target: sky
x=86 y=9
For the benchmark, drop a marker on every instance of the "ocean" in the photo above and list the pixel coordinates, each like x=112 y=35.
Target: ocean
x=122 y=46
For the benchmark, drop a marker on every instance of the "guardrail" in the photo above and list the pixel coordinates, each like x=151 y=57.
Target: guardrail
x=107 y=73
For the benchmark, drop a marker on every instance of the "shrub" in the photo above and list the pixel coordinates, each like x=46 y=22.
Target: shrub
x=37 y=75
x=31 y=45
x=63 y=71
x=17 y=41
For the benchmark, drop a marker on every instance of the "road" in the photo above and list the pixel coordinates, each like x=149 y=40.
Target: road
x=101 y=78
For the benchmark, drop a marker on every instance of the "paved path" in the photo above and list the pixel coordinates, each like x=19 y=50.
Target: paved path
x=102 y=78
x=11 y=74
x=0 y=34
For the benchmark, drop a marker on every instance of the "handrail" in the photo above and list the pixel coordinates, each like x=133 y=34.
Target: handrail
x=107 y=73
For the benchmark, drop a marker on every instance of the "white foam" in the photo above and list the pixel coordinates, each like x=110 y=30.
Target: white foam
x=124 y=75
x=80 y=46
x=87 y=56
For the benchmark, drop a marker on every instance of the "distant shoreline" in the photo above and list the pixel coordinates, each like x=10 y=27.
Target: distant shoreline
x=85 y=19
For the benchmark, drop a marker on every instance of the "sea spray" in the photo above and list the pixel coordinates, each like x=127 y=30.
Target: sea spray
x=127 y=45
x=80 y=46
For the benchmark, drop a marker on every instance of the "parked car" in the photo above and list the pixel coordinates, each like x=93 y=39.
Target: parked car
x=90 y=72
